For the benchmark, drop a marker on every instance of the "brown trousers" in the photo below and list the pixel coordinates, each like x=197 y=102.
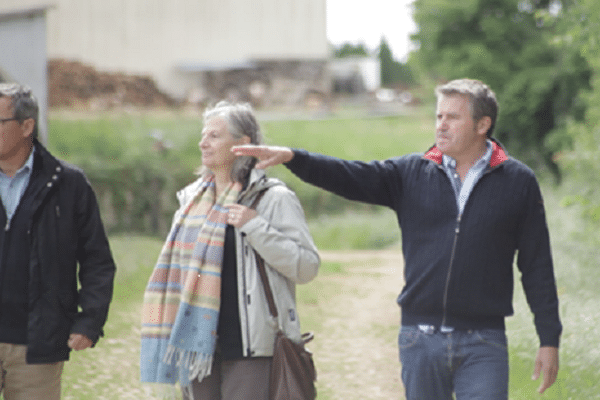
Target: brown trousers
x=22 y=381
x=234 y=380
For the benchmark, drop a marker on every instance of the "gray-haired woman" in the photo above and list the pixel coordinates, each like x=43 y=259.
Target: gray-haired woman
x=206 y=323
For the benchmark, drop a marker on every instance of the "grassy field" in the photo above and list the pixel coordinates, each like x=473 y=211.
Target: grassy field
x=110 y=370
x=576 y=258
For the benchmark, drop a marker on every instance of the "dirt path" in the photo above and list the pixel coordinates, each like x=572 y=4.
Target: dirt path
x=355 y=346
x=356 y=350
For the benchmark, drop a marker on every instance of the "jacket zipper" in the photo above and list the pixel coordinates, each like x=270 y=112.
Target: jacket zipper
x=452 y=254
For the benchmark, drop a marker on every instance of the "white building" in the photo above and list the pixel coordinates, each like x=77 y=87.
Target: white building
x=179 y=42
x=356 y=74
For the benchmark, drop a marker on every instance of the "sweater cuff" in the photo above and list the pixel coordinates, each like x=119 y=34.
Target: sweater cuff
x=300 y=156
x=549 y=329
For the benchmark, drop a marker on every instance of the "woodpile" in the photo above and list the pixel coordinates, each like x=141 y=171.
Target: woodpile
x=72 y=84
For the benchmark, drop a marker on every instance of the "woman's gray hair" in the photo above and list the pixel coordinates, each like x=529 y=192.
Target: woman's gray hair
x=24 y=103
x=241 y=122
x=481 y=97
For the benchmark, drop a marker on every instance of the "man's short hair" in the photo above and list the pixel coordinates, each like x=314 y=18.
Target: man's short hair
x=481 y=97
x=24 y=103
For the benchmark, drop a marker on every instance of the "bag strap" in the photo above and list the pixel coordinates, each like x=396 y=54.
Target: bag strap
x=260 y=264
x=258 y=197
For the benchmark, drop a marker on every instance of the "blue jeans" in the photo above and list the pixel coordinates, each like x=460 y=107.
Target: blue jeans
x=471 y=364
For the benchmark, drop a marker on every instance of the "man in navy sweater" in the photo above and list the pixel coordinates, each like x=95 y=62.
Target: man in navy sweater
x=465 y=209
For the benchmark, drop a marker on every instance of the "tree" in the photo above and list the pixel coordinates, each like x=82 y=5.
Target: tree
x=580 y=160
x=511 y=45
x=351 y=50
x=392 y=71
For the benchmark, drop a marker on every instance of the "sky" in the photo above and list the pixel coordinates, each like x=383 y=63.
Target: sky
x=366 y=21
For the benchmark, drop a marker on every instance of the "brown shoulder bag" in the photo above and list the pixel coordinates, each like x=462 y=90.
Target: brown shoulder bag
x=293 y=372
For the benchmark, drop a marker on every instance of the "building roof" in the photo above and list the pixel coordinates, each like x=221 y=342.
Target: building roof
x=23 y=12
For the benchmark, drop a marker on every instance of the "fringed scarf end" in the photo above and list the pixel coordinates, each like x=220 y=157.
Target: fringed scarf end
x=197 y=365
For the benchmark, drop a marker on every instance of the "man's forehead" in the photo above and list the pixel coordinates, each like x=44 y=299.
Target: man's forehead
x=6 y=103
x=453 y=100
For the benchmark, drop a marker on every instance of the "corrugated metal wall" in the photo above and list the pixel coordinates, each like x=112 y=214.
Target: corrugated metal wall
x=155 y=36
x=23 y=56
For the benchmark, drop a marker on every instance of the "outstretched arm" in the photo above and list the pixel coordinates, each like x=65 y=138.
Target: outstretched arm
x=354 y=180
x=268 y=156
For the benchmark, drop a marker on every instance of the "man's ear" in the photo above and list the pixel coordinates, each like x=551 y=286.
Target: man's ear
x=28 y=126
x=483 y=125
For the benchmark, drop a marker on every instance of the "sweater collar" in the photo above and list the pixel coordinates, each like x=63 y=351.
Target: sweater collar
x=498 y=154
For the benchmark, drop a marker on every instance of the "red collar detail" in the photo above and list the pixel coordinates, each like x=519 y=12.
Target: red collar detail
x=498 y=154
x=434 y=154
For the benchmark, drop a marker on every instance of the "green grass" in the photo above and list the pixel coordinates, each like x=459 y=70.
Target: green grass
x=111 y=369
x=360 y=138
x=576 y=259
x=104 y=144
x=355 y=230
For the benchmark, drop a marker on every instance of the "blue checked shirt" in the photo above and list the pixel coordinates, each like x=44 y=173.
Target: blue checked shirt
x=462 y=190
x=12 y=189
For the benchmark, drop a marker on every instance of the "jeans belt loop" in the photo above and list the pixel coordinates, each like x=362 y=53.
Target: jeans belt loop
x=446 y=329
x=431 y=329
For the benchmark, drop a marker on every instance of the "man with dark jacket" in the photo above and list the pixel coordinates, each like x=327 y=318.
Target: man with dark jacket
x=465 y=208
x=51 y=225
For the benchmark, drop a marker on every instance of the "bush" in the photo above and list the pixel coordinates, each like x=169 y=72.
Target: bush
x=136 y=164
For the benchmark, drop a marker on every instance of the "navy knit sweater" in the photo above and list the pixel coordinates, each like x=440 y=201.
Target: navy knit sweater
x=458 y=268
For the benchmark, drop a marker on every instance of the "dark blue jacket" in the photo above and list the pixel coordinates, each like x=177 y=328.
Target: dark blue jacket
x=67 y=245
x=458 y=268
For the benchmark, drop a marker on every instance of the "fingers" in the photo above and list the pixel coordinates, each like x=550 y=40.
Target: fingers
x=234 y=218
x=537 y=369
x=268 y=156
x=546 y=364
x=79 y=342
x=238 y=215
x=549 y=377
x=249 y=150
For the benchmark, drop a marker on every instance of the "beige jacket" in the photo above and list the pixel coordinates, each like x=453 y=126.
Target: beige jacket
x=280 y=235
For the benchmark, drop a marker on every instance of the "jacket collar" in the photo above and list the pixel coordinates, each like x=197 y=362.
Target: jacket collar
x=257 y=182
x=43 y=160
x=499 y=155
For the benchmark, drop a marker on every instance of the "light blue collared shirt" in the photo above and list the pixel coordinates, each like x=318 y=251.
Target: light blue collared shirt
x=12 y=189
x=462 y=190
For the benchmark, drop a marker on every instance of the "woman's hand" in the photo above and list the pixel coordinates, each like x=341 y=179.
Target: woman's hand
x=238 y=215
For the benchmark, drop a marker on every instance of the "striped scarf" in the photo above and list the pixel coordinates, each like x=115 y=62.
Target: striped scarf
x=182 y=299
